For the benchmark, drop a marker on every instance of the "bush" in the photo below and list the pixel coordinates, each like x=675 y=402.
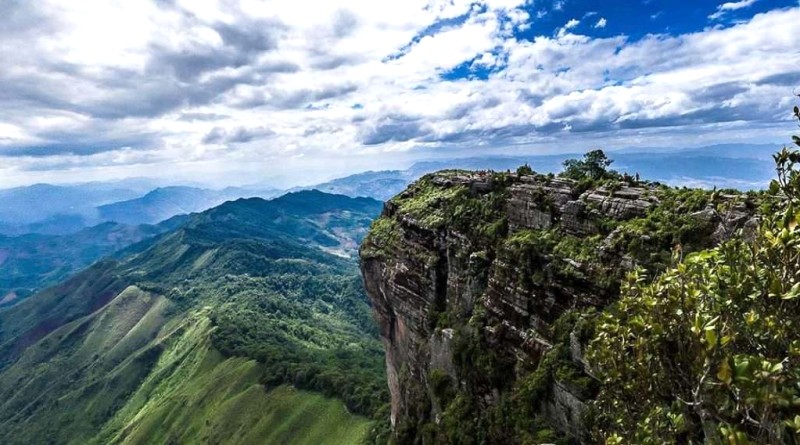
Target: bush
x=710 y=351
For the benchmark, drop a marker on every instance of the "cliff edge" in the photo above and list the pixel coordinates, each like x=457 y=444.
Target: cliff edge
x=480 y=282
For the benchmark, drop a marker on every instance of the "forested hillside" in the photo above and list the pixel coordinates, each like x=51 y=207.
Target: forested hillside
x=238 y=327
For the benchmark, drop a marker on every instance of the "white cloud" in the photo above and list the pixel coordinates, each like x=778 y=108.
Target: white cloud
x=601 y=23
x=100 y=89
x=573 y=23
x=730 y=6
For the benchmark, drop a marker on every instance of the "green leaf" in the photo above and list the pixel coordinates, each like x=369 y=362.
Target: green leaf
x=725 y=373
x=793 y=293
x=711 y=338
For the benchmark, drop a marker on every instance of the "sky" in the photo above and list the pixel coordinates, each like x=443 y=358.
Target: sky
x=234 y=92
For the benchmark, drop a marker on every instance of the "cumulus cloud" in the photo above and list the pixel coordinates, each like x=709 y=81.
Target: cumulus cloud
x=106 y=87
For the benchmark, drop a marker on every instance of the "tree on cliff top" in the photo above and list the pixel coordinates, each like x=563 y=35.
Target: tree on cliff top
x=593 y=166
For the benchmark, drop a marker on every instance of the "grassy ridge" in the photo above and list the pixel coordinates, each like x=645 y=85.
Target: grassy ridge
x=140 y=378
x=196 y=395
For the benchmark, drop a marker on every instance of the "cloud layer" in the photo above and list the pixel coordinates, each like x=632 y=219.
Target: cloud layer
x=237 y=91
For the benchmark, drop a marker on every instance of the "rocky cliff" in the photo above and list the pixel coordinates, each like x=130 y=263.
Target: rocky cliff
x=480 y=283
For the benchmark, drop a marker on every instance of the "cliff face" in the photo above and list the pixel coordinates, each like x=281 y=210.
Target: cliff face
x=479 y=283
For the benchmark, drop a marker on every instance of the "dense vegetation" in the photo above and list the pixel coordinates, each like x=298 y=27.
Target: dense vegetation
x=710 y=351
x=188 y=337
x=310 y=331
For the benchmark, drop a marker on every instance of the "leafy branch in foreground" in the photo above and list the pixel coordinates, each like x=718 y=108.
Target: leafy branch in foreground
x=709 y=351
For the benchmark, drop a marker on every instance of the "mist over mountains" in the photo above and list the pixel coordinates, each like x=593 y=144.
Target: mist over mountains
x=79 y=224
x=69 y=208
x=63 y=209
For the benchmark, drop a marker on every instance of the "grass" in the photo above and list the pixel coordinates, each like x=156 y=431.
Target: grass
x=129 y=375
x=196 y=395
x=426 y=202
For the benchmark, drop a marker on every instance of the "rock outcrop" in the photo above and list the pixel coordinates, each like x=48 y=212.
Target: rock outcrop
x=472 y=275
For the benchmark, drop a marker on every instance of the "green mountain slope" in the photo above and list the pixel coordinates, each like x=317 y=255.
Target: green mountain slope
x=33 y=261
x=196 y=336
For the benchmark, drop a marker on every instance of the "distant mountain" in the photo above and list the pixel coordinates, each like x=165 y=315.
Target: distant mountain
x=195 y=335
x=60 y=210
x=165 y=202
x=749 y=151
x=375 y=184
x=40 y=203
x=31 y=262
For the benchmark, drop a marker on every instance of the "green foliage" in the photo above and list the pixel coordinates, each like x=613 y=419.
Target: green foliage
x=667 y=226
x=710 y=351
x=525 y=170
x=480 y=215
x=423 y=202
x=310 y=331
x=384 y=234
x=442 y=386
x=594 y=165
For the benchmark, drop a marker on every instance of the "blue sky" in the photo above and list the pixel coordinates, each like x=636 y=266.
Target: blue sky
x=233 y=92
x=633 y=19
x=639 y=18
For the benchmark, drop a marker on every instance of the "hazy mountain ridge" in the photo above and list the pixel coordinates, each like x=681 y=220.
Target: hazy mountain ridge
x=142 y=201
x=165 y=202
x=60 y=210
x=30 y=262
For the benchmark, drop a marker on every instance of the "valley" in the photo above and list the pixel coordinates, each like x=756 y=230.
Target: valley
x=217 y=316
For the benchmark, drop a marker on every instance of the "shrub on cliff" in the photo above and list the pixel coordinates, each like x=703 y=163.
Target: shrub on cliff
x=710 y=351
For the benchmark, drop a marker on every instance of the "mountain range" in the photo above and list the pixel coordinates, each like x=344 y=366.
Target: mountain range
x=42 y=244
x=244 y=324
x=61 y=210
x=70 y=208
x=33 y=261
